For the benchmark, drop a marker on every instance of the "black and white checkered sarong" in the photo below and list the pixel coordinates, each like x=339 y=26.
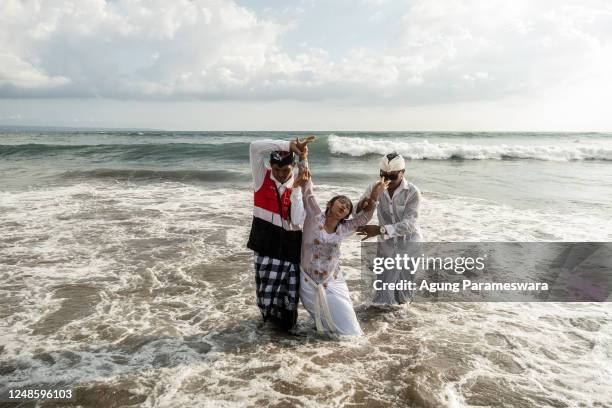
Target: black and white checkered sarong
x=277 y=288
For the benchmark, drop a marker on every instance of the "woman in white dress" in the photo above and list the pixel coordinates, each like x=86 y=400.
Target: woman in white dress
x=323 y=288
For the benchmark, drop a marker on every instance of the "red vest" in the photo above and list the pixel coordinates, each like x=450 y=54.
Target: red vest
x=268 y=235
x=267 y=198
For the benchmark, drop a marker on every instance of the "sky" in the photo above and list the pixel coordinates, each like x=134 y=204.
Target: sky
x=377 y=65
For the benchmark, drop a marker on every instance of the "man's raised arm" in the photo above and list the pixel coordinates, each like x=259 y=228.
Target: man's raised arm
x=259 y=152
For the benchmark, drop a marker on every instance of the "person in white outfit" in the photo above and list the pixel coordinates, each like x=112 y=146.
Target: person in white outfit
x=398 y=213
x=323 y=288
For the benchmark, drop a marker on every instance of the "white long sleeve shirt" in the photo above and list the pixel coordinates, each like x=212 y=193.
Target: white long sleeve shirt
x=260 y=154
x=399 y=214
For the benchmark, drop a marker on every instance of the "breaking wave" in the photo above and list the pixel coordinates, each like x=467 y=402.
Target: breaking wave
x=424 y=150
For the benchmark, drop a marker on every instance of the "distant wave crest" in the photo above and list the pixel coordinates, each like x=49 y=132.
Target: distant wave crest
x=424 y=150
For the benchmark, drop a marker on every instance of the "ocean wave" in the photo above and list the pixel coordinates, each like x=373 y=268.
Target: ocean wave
x=209 y=149
x=332 y=144
x=130 y=152
x=424 y=150
x=145 y=174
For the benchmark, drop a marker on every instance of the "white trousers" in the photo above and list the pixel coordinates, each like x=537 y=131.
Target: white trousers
x=332 y=302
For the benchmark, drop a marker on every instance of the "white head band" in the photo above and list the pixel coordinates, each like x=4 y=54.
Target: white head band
x=395 y=164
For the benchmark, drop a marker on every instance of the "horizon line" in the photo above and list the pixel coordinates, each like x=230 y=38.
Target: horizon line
x=141 y=129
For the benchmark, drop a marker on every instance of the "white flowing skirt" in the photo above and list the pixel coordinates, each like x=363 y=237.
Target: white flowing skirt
x=339 y=304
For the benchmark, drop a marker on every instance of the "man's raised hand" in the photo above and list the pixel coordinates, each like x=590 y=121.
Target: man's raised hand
x=379 y=187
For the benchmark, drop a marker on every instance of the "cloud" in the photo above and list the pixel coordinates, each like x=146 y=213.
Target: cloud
x=491 y=48
x=217 y=50
x=18 y=73
x=132 y=49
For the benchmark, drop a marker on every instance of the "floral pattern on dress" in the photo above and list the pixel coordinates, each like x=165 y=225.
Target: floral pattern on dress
x=325 y=252
x=320 y=249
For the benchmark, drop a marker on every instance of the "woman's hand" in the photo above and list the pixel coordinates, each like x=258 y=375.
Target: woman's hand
x=378 y=189
x=304 y=154
x=297 y=146
x=302 y=178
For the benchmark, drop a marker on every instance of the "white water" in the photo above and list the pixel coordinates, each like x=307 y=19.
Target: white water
x=166 y=283
x=419 y=149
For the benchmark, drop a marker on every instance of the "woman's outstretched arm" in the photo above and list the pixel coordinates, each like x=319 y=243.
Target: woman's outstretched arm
x=305 y=182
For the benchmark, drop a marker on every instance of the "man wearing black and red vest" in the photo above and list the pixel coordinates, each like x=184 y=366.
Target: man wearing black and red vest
x=276 y=231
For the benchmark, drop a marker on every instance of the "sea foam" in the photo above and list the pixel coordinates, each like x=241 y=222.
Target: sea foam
x=424 y=150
